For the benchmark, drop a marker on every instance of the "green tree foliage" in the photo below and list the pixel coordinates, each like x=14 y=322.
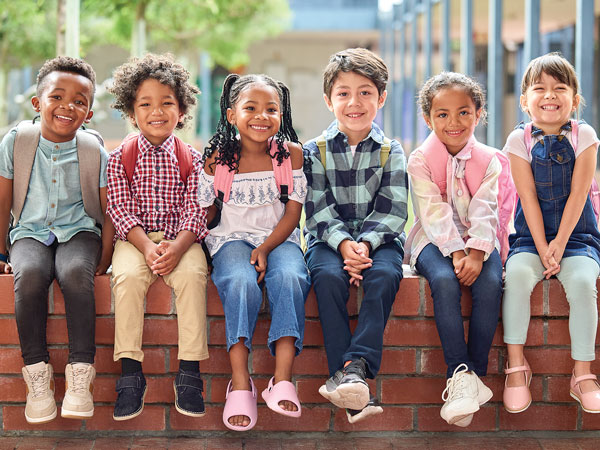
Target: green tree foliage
x=223 y=28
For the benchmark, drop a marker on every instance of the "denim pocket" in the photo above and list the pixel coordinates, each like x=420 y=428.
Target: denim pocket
x=553 y=175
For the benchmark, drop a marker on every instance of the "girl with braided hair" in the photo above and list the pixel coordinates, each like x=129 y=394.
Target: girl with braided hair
x=255 y=240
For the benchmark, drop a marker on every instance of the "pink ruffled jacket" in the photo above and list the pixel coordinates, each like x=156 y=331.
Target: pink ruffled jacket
x=432 y=204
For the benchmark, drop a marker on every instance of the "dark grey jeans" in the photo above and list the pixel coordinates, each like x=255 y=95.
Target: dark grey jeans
x=73 y=264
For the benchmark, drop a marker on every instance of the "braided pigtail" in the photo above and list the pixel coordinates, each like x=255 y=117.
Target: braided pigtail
x=225 y=140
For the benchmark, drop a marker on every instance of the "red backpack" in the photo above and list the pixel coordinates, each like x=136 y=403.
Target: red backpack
x=130 y=151
x=224 y=179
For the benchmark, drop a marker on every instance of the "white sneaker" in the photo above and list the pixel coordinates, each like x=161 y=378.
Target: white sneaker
x=484 y=394
x=460 y=396
x=78 y=402
x=40 y=407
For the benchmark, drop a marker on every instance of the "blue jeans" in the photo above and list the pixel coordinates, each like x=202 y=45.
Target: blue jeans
x=486 y=292
x=332 y=283
x=73 y=264
x=287 y=284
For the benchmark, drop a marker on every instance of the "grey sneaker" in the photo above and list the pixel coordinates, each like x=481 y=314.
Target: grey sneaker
x=484 y=394
x=347 y=388
x=372 y=409
x=40 y=407
x=460 y=396
x=78 y=402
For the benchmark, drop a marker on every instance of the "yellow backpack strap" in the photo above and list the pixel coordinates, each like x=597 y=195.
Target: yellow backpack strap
x=386 y=147
x=322 y=145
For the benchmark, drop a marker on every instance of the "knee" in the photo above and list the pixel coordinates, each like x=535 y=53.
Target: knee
x=446 y=284
x=333 y=276
x=520 y=277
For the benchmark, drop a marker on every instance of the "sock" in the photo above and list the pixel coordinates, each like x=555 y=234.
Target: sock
x=129 y=366
x=189 y=366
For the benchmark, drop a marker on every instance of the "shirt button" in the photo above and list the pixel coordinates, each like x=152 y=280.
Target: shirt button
x=459 y=192
x=155 y=188
x=157 y=208
x=157 y=167
x=49 y=223
x=52 y=205
x=54 y=158
x=56 y=147
x=54 y=181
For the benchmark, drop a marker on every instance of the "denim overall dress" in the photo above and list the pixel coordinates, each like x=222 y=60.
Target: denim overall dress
x=552 y=164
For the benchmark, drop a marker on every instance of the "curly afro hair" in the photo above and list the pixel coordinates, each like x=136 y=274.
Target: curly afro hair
x=65 y=64
x=163 y=68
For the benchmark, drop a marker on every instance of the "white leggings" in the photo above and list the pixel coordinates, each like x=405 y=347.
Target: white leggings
x=578 y=275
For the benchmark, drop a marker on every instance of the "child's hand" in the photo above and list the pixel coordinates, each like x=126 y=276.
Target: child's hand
x=356 y=259
x=553 y=257
x=258 y=258
x=151 y=253
x=5 y=267
x=457 y=256
x=468 y=268
x=104 y=262
x=169 y=254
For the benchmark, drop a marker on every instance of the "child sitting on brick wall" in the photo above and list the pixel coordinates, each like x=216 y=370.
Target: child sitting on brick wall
x=356 y=208
x=153 y=202
x=255 y=237
x=53 y=177
x=454 y=239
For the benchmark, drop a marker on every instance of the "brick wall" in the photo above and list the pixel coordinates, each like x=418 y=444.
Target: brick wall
x=410 y=383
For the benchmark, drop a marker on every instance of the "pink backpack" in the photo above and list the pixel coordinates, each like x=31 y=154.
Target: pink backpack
x=475 y=169
x=224 y=179
x=594 y=189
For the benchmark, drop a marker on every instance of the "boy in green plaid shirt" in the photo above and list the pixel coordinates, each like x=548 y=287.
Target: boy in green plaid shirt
x=356 y=209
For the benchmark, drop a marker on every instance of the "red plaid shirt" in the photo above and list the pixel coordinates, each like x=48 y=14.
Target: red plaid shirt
x=157 y=199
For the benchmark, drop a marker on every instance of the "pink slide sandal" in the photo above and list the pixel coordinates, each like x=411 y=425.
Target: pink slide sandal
x=240 y=403
x=282 y=391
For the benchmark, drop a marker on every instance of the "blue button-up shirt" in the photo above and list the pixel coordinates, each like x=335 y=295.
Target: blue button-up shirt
x=355 y=197
x=53 y=207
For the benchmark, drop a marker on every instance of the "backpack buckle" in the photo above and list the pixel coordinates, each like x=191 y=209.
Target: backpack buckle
x=284 y=194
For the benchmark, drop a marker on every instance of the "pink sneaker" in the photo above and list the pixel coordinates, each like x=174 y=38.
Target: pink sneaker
x=517 y=399
x=589 y=401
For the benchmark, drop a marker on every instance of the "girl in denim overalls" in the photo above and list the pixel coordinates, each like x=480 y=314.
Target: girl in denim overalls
x=556 y=230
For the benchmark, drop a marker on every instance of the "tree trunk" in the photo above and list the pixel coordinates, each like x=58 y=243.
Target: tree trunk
x=138 y=36
x=60 y=27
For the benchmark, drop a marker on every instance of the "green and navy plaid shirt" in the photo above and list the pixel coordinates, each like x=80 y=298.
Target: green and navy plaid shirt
x=355 y=197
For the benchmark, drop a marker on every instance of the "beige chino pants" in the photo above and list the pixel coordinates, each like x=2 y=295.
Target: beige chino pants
x=131 y=279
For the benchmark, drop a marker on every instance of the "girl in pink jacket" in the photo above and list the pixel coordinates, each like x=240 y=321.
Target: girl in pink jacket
x=454 y=186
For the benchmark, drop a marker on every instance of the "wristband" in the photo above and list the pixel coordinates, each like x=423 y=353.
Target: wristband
x=4 y=258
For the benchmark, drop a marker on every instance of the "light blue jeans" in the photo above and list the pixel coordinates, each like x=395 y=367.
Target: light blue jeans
x=287 y=284
x=578 y=275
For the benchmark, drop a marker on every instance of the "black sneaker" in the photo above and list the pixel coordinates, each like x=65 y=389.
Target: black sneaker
x=347 y=388
x=131 y=390
x=188 y=393
x=372 y=409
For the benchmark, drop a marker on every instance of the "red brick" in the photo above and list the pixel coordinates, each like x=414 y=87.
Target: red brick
x=160 y=389
x=535 y=333
x=590 y=422
x=557 y=299
x=14 y=419
x=540 y=417
x=159 y=298
x=392 y=419
x=308 y=389
x=214 y=307
x=412 y=390
x=215 y=389
x=9 y=333
x=59 y=358
x=12 y=389
x=558 y=332
x=311 y=361
x=398 y=361
x=7 y=295
x=537 y=300
x=10 y=360
x=104 y=389
x=313 y=333
x=432 y=361
x=558 y=389
x=112 y=443
x=152 y=442
x=549 y=361
x=160 y=331
x=411 y=332
x=312 y=419
x=218 y=362
x=57 y=330
x=310 y=306
x=429 y=420
x=408 y=298
x=102 y=292
x=151 y=419
x=216 y=332
x=105 y=330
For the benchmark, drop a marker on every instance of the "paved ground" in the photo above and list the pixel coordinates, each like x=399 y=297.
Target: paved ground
x=560 y=441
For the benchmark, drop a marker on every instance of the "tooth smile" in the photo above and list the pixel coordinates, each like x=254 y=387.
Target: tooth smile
x=550 y=107
x=63 y=117
x=257 y=127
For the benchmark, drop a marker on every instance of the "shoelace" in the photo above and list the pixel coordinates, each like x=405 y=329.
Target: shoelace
x=355 y=368
x=39 y=383
x=78 y=380
x=455 y=386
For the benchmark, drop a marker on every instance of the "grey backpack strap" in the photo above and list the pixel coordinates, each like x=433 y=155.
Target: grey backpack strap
x=24 y=150
x=88 y=154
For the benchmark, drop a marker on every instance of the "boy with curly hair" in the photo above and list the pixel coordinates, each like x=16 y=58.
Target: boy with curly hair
x=153 y=202
x=53 y=179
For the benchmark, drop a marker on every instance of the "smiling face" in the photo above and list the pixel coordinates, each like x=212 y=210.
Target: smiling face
x=354 y=100
x=64 y=104
x=549 y=103
x=156 y=111
x=453 y=117
x=257 y=113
